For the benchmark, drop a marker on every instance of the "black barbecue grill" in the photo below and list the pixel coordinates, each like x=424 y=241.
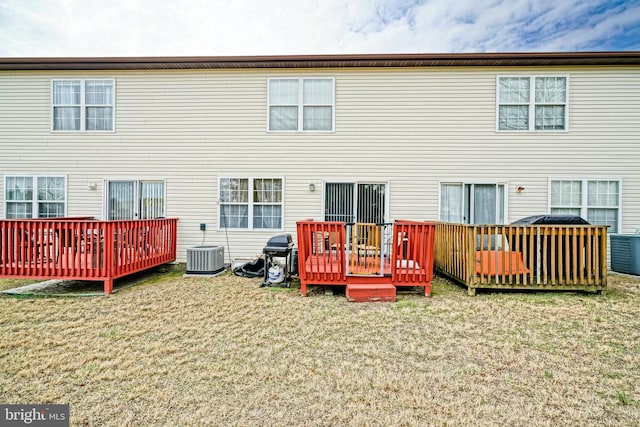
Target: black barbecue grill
x=279 y=246
x=278 y=272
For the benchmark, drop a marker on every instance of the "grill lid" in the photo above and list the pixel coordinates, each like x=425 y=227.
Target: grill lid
x=281 y=242
x=552 y=219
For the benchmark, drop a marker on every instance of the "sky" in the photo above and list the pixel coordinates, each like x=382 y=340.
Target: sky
x=105 y=28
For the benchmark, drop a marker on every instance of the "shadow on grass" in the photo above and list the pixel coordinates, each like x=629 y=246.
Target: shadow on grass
x=25 y=288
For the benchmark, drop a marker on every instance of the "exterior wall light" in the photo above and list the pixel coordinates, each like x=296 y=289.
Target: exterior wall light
x=519 y=188
x=312 y=187
x=92 y=186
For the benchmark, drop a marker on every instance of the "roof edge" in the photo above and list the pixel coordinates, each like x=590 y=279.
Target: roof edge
x=323 y=61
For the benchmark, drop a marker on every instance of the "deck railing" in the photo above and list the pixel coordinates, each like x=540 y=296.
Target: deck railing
x=571 y=257
x=414 y=247
x=321 y=251
x=335 y=253
x=84 y=249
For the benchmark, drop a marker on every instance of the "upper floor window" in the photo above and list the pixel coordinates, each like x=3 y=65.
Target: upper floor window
x=35 y=196
x=83 y=105
x=596 y=200
x=537 y=103
x=301 y=104
x=251 y=203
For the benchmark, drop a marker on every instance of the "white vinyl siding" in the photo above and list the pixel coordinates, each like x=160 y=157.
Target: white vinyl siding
x=596 y=200
x=301 y=104
x=83 y=105
x=35 y=196
x=409 y=127
x=251 y=203
x=532 y=103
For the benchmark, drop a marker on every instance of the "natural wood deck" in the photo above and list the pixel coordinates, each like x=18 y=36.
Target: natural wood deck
x=558 y=257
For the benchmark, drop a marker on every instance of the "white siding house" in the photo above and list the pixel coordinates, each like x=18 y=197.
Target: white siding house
x=250 y=145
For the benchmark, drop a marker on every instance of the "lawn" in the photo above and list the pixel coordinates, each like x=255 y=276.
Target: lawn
x=223 y=351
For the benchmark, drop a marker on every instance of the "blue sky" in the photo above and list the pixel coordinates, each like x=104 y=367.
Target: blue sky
x=57 y=28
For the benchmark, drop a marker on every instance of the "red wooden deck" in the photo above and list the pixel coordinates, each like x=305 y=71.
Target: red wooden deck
x=84 y=249
x=333 y=254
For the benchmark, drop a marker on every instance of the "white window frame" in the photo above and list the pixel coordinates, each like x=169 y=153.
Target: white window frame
x=300 y=104
x=136 y=195
x=83 y=105
x=251 y=204
x=505 y=202
x=34 y=200
x=532 y=104
x=584 y=205
x=356 y=183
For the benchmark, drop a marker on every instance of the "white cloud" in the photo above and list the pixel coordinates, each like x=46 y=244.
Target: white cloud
x=267 y=27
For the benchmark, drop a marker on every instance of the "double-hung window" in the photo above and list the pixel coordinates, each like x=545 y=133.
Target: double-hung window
x=35 y=196
x=301 y=104
x=532 y=103
x=596 y=200
x=83 y=105
x=251 y=203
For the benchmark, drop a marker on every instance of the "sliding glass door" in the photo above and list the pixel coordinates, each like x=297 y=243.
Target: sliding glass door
x=472 y=203
x=355 y=202
x=134 y=200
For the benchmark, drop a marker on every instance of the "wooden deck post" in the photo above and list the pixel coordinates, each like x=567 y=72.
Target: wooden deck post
x=108 y=286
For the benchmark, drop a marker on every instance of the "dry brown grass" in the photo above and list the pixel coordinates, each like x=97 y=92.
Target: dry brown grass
x=6 y=284
x=222 y=351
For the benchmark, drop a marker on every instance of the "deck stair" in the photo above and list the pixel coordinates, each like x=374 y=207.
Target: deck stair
x=371 y=292
x=332 y=253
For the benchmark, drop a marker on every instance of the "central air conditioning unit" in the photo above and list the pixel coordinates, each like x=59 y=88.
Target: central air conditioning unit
x=205 y=259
